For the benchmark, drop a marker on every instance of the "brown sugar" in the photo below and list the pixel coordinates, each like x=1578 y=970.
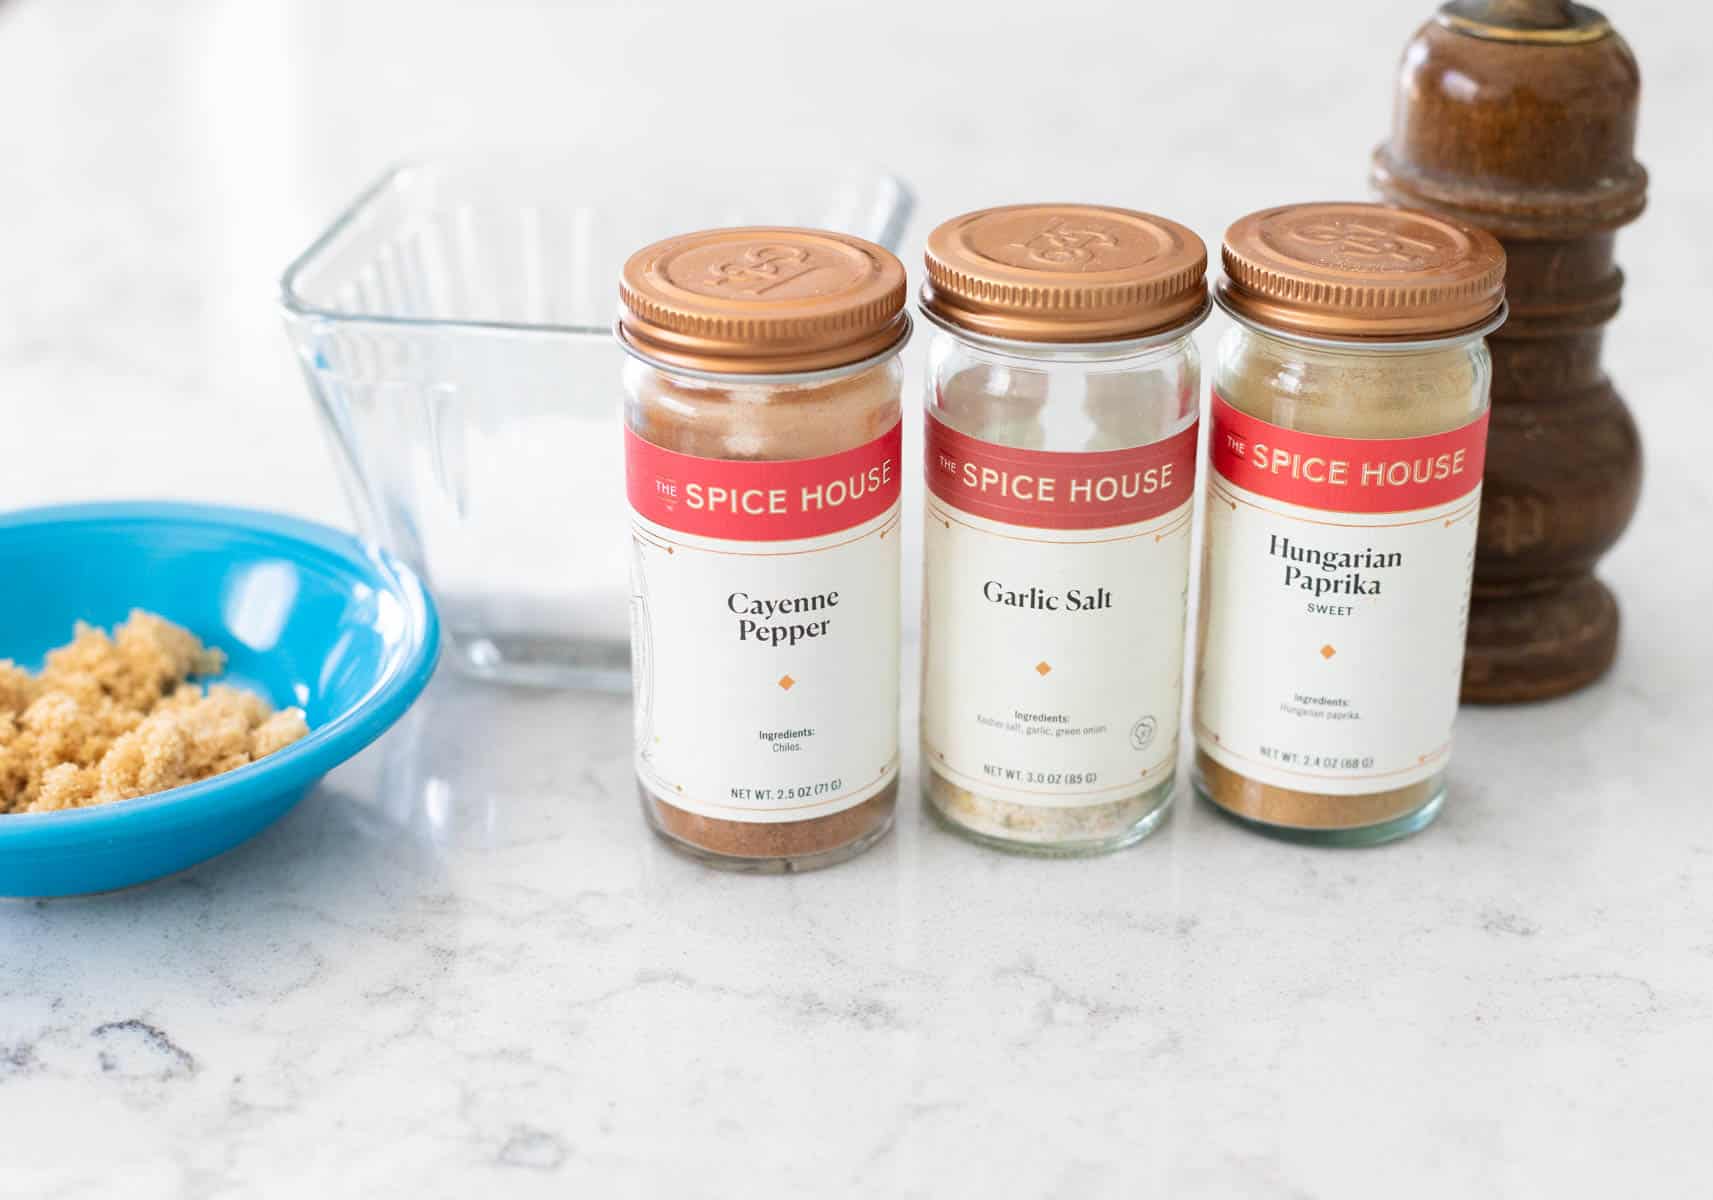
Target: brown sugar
x=116 y=717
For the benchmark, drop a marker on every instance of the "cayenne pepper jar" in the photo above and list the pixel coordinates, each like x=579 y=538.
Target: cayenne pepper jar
x=1349 y=427
x=1060 y=462
x=762 y=465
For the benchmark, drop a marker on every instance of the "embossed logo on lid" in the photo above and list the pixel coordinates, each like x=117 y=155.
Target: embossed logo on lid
x=1064 y=273
x=762 y=300
x=759 y=270
x=1343 y=240
x=1061 y=242
x=1361 y=271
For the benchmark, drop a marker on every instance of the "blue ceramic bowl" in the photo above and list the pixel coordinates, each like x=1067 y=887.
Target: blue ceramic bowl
x=306 y=615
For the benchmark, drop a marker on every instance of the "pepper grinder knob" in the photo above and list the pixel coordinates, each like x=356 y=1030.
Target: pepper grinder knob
x=1520 y=116
x=1520 y=14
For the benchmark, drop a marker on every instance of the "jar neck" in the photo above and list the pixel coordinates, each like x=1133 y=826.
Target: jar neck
x=1104 y=355
x=1284 y=343
x=736 y=379
x=1400 y=391
x=1244 y=343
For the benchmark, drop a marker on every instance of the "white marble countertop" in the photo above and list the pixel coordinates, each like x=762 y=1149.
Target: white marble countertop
x=462 y=967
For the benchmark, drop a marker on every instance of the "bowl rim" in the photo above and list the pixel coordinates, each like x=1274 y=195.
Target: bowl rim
x=403 y=677
x=899 y=198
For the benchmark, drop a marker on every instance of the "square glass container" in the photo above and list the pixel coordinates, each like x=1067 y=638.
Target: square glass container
x=454 y=326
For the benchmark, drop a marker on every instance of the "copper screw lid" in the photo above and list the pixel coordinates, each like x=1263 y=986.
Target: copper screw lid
x=1361 y=272
x=1064 y=273
x=762 y=301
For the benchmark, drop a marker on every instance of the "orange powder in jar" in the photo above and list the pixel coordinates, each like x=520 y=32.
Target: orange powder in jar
x=763 y=439
x=1346 y=446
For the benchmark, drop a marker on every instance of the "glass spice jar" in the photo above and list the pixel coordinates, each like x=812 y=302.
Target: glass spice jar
x=763 y=471
x=1348 y=433
x=1060 y=462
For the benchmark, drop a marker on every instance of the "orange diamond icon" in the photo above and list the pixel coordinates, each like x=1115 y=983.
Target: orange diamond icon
x=1327 y=651
x=1042 y=668
x=787 y=683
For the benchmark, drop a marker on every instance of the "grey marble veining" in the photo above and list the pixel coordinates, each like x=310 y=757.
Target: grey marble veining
x=462 y=967
x=445 y=965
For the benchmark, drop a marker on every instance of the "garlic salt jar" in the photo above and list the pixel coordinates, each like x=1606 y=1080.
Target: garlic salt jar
x=762 y=449
x=1060 y=463
x=1348 y=432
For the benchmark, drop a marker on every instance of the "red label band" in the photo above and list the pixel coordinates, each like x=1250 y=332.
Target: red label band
x=1055 y=489
x=1347 y=475
x=745 y=500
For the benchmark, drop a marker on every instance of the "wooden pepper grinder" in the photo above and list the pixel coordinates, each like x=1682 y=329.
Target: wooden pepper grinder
x=1520 y=116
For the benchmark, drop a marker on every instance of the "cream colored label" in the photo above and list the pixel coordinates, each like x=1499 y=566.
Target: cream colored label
x=1053 y=658
x=764 y=629
x=1334 y=641
x=1335 y=597
x=766 y=678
